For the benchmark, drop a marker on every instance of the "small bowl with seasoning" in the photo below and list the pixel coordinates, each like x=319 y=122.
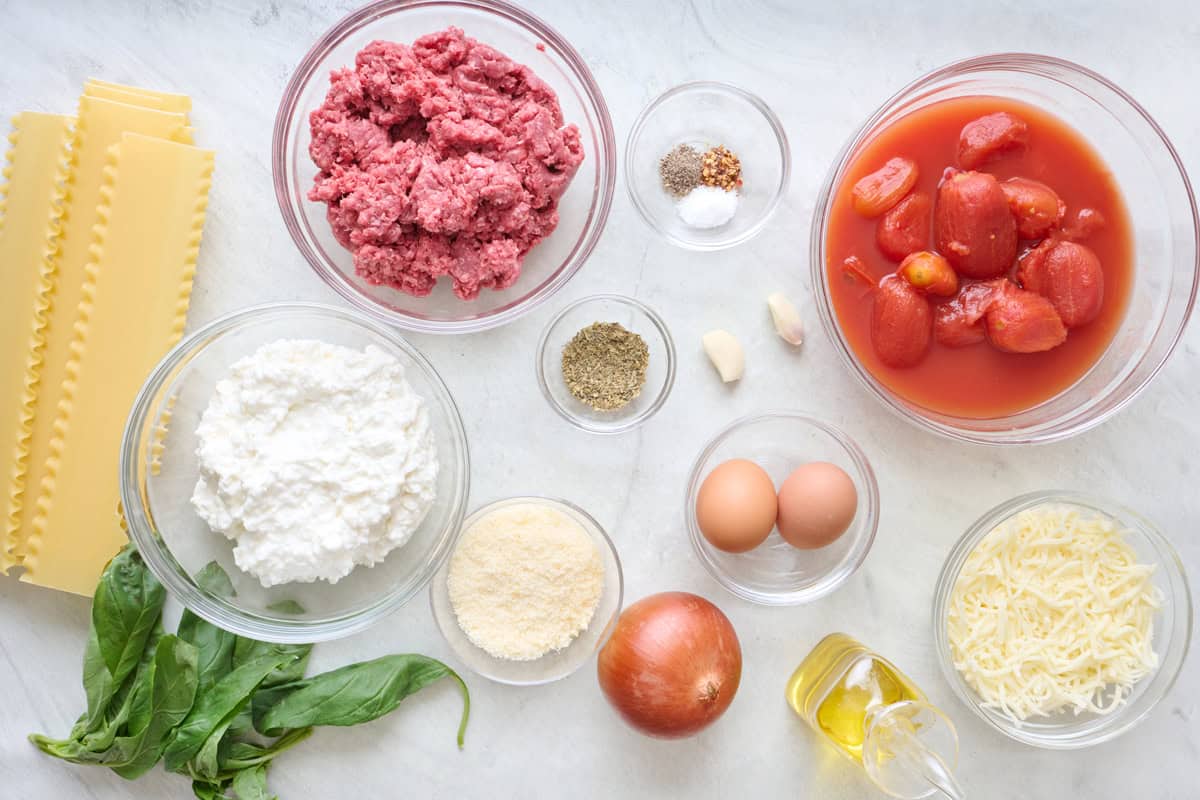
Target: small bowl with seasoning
x=781 y=508
x=1062 y=620
x=707 y=164
x=531 y=590
x=606 y=363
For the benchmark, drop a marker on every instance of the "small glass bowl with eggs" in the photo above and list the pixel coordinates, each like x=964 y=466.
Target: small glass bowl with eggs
x=782 y=508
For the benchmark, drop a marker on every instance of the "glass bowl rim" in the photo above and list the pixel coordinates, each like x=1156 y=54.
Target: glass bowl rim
x=659 y=400
x=501 y=502
x=785 y=158
x=157 y=556
x=1006 y=61
x=868 y=502
x=603 y=191
x=1167 y=559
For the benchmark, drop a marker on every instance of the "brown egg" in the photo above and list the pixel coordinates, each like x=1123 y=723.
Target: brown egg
x=736 y=506
x=817 y=503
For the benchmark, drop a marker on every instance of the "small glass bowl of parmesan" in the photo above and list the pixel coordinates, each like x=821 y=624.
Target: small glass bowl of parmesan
x=530 y=592
x=1061 y=619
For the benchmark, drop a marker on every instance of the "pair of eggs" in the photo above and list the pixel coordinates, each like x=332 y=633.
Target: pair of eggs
x=737 y=505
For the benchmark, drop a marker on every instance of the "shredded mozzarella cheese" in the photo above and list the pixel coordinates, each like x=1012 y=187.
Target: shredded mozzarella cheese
x=1052 y=611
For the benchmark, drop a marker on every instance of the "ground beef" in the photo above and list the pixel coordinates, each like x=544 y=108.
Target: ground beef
x=443 y=158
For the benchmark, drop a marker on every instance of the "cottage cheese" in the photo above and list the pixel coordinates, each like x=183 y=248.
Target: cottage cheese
x=314 y=458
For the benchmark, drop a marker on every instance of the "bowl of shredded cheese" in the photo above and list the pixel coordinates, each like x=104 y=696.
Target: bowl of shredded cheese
x=1062 y=619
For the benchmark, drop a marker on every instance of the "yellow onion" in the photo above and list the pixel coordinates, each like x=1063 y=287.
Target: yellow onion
x=672 y=665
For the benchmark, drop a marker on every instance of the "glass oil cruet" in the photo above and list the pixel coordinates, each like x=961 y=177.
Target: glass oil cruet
x=873 y=713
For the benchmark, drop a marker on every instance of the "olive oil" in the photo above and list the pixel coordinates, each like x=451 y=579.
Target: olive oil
x=839 y=684
x=874 y=714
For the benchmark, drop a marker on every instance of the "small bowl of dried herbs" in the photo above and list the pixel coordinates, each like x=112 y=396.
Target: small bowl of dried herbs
x=606 y=363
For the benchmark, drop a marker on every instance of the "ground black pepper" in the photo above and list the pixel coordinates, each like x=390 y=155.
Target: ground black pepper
x=680 y=170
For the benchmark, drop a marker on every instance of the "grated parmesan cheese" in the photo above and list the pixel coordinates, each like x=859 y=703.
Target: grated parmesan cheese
x=1052 y=611
x=524 y=580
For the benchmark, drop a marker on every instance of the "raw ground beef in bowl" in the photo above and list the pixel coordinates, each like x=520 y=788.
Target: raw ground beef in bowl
x=435 y=194
x=445 y=158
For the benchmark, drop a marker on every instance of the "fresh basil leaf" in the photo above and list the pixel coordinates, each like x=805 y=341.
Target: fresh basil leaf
x=248 y=649
x=116 y=717
x=159 y=701
x=208 y=790
x=288 y=606
x=97 y=682
x=243 y=755
x=251 y=784
x=217 y=706
x=215 y=648
x=127 y=605
x=206 y=762
x=266 y=699
x=141 y=699
x=109 y=616
x=196 y=699
x=173 y=682
x=214 y=644
x=213 y=579
x=293 y=671
x=359 y=693
x=110 y=705
x=242 y=725
x=80 y=728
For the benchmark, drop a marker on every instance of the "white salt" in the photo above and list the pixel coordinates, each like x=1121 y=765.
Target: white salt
x=707 y=207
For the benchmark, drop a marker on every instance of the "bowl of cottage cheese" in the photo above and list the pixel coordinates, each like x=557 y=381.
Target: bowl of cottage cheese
x=315 y=455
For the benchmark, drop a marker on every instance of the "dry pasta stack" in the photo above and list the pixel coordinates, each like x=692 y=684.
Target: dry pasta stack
x=100 y=223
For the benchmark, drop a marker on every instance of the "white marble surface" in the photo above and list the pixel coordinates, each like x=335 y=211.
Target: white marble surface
x=823 y=67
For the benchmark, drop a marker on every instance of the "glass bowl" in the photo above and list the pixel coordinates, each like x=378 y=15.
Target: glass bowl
x=1172 y=627
x=775 y=573
x=555 y=665
x=705 y=114
x=635 y=317
x=583 y=209
x=1162 y=212
x=159 y=471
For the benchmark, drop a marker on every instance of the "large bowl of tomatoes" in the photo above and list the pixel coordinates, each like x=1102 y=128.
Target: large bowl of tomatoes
x=1006 y=251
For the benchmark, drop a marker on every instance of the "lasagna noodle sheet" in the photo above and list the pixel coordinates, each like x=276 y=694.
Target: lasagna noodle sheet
x=100 y=124
x=133 y=307
x=30 y=209
x=135 y=96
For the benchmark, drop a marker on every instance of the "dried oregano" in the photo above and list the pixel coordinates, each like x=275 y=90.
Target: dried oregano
x=604 y=365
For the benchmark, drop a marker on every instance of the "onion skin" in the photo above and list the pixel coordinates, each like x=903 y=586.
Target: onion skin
x=672 y=665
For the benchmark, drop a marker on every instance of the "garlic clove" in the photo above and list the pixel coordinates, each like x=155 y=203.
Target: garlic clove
x=726 y=354
x=786 y=319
